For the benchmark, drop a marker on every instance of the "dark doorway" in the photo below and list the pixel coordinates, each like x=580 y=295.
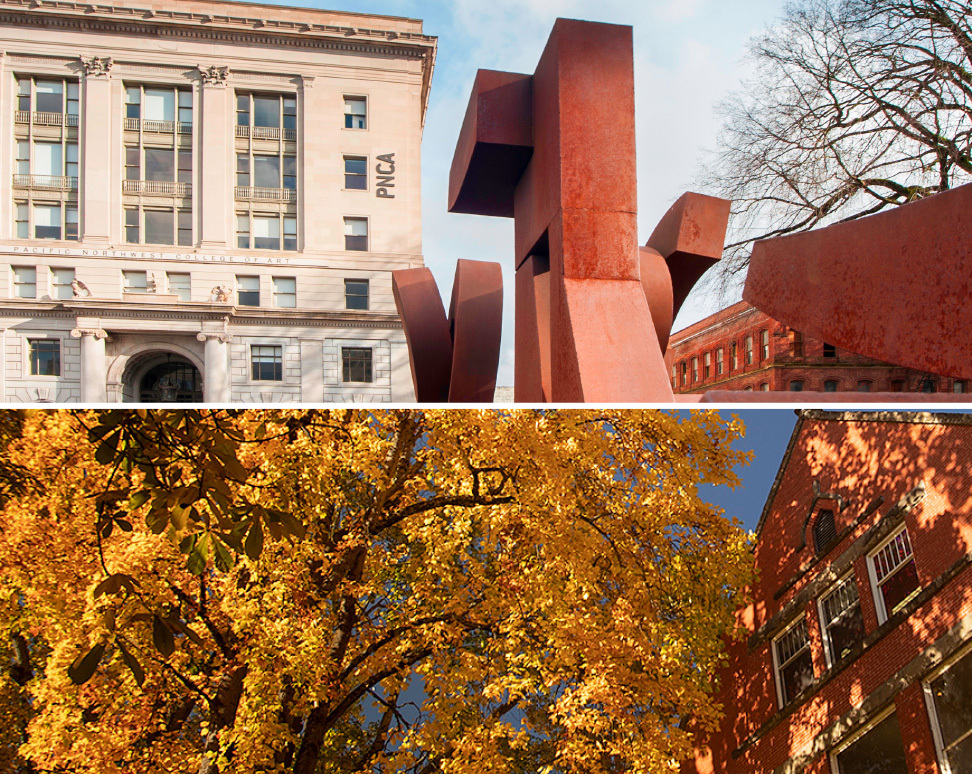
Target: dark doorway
x=174 y=381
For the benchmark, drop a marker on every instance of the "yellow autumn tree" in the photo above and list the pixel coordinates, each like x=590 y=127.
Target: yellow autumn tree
x=317 y=592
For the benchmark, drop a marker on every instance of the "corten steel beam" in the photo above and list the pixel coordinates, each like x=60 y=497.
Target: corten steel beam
x=453 y=359
x=556 y=151
x=895 y=286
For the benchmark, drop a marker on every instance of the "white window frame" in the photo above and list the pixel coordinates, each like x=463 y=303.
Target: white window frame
x=882 y=613
x=15 y=285
x=943 y=764
x=278 y=294
x=852 y=738
x=134 y=288
x=824 y=633
x=52 y=272
x=776 y=657
x=367 y=113
x=42 y=336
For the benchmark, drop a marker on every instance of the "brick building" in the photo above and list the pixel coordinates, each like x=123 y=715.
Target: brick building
x=857 y=649
x=741 y=348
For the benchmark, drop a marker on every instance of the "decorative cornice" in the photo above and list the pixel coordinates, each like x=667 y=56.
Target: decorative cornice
x=96 y=66
x=97 y=333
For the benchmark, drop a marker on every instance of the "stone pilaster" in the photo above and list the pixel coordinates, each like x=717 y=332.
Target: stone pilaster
x=96 y=183
x=93 y=364
x=215 y=155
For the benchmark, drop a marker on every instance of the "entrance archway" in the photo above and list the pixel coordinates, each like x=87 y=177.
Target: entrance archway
x=162 y=377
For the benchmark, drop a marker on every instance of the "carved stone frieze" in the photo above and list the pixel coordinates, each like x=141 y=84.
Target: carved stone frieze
x=213 y=75
x=96 y=66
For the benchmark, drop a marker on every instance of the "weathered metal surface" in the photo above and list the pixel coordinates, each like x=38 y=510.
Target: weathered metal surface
x=476 y=322
x=426 y=333
x=895 y=286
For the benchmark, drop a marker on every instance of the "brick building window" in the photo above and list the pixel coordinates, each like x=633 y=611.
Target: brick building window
x=958 y=386
x=684 y=369
x=829 y=350
x=706 y=365
x=824 y=529
x=894 y=576
x=792 y=661
x=841 y=622
x=949 y=694
x=830 y=385
x=749 y=350
x=764 y=387
x=674 y=372
x=695 y=369
x=877 y=749
x=897 y=385
x=733 y=357
x=719 y=365
x=796 y=344
x=928 y=385
x=864 y=386
x=796 y=385
x=763 y=345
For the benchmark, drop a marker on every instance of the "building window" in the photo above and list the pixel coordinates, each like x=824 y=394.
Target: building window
x=24 y=282
x=763 y=345
x=355 y=113
x=248 y=291
x=841 y=622
x=829 y=350
x=179 y=284
x=695 y=369
x=953 y=720
x=158 y=226
x=158 y=109
x=674 y=380
x=134 y=281
x=863 y=386
x=958 y=386
x=928 y=385
x=796 y=344
x=45 y=357
x=285 y=292
x=356 y=297
x=355 y=173
x=749 y=350
x=830 y=385
x=61 y=280
x=266 y=363
x=719 y=367
x=356 y=364
x=684 y=368
x=355 y=233
x=764 y=387
x=793 y=660
x=47 y=222
x=266 y=231
x=706 y=365
x=894 y=576
x=266 y=116
x=47 y=102
x=878 y=749
x=733 y=357
x=897 y=385
x=796 y=385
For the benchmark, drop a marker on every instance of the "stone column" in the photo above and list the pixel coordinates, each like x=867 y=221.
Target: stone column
x=97 y=183
x=93 y=370
x=216 y=386
x=215 y=146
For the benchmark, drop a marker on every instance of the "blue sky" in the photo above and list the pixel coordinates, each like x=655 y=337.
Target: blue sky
x=689 y=54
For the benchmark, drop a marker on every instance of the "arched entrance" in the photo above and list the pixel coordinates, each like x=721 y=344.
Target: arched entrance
x=162 y=377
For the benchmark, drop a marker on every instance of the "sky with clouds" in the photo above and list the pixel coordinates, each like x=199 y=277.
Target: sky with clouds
x=689 y=54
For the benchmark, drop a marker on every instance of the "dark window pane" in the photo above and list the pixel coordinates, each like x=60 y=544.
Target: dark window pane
x=45 y=358
x=796 y=386
x=290 y=243
x=47 y=232
x=266 y=243
x=829 y=350
x=159 y=165
x=356 y=294
x=846 y=632
x=49 y=101
x=266 y=111
x=289 y=121
x=266 y=171
x=355 y=242
x=879 y=751
x=797 y=675
x=824 y=530
x=355 y=364
x=899 y=586
x=267 y=363
x=951 y=692
x=830 y=386
x=159 y=227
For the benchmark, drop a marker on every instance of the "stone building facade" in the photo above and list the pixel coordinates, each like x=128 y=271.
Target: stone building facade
x=741 y=348
x=207 y=200
x=856 y=650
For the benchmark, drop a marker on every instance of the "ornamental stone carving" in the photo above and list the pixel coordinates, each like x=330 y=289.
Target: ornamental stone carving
x=96 y=66
x=222 y=338
x=219 y=294
x=97 y=333
x=79 y=289
x=213 y=75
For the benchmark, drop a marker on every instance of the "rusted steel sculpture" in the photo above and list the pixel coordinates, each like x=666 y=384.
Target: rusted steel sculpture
x=453 y=360
x=895 y=286
x=556 y=152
